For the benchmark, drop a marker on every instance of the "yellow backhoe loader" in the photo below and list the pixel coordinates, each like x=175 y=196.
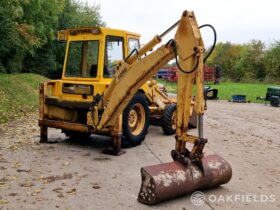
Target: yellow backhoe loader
x=89 y=67
x=62 y=102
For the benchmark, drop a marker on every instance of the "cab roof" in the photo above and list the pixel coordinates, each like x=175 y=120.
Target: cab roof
x=63 y=34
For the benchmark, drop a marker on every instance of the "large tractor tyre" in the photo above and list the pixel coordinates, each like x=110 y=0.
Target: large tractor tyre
x=136 y=122
x=76 y=134
x=274 y=102
x=168 y=119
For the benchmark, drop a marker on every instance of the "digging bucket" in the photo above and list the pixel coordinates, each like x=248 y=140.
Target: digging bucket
x=169 y=180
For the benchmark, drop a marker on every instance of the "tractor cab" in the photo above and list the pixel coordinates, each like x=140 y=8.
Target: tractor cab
x=92 y=53
x=91 y=56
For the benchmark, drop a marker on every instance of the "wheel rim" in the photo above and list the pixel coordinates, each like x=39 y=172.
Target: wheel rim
x=174 y=120
x=136 y=119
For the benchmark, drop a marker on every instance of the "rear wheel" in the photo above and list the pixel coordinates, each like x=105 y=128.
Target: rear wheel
x=135 y=121
x=274 y=102
x=168 y=119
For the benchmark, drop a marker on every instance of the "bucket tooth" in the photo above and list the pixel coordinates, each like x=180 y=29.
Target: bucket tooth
x=169 y=180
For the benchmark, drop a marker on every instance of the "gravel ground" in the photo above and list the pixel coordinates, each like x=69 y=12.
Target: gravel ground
x=77 y=175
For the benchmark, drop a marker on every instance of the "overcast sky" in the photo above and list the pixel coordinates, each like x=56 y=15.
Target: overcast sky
x=237 y=21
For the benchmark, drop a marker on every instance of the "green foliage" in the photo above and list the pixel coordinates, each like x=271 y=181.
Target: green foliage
x=272 y=62
x=247 y=62
x=10 y=40
x=251 y=61
x=28 y=29
x=18 y=95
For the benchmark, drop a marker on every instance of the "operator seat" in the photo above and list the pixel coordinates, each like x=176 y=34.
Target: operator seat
x=93 y=70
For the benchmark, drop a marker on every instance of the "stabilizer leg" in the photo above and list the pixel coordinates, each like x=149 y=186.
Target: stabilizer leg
x=43 y=134
x=117 y=139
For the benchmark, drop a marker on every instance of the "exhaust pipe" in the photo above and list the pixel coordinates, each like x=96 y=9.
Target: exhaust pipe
x=169 y=180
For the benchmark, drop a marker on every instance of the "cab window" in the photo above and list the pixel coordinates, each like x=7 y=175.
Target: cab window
x=82 y=59
x=114 y=52
x=133 y=44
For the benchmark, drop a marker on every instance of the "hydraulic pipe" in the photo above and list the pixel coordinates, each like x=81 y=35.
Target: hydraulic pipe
x=147 y=47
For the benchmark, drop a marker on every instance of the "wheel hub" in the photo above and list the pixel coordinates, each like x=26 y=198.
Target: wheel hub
x=174 y=120
x=132 y=119
x=136 y=119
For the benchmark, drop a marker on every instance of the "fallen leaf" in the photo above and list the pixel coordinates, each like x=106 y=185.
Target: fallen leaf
x=39 y=199
x=60 y=195
x=3 y=160
x=36 y=192
x=26 y=184
x=72 y=191
x=57 y=190
x=95 y=185
x=54 y=178
x=3 y=201
x=12 y=178
x=24 y=170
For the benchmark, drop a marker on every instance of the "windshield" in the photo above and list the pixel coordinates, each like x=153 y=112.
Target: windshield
x=133 y=44
x=82 y=59
x=114 y=52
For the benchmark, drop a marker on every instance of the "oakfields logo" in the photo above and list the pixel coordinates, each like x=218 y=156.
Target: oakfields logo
x=198 y=198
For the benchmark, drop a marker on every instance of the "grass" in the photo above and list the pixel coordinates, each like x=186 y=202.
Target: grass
x=18 y=95
x=227 y=89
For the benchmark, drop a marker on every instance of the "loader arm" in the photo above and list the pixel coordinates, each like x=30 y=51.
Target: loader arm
x=136 y=70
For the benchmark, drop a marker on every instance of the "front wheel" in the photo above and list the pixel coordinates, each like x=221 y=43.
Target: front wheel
x=168 y=119
x=136 y=117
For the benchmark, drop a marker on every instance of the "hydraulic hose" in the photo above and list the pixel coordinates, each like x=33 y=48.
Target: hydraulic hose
x=214 y=42
x=172 y=42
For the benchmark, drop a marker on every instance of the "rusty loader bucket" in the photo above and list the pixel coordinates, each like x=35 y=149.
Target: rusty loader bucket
x=169 y=180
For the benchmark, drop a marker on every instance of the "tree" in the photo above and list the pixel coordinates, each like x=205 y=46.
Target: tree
x=48 y=59
x=251 y=60
x=225 y=55
x=240 y=62
x=272 y=62
x=10 y=47
x=28 y=30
